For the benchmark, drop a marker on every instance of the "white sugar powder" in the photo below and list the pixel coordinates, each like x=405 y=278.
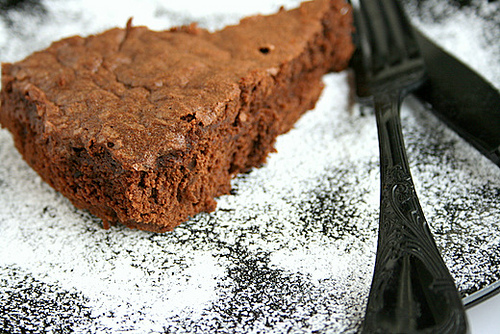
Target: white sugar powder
x=292 y=250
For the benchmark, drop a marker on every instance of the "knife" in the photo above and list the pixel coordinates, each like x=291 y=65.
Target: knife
x=461 y=98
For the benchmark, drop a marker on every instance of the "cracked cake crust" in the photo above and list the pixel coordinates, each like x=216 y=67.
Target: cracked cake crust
x=147 y=127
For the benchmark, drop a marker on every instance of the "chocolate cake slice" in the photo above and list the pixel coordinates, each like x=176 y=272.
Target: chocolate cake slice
x=146 y=128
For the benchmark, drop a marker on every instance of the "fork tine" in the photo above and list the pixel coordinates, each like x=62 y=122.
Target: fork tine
x=400 y=28
x=389 y=32
x=395 y=31
x=375 y=33
x=387 y=47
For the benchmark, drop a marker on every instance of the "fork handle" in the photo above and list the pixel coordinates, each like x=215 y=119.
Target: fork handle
x=412 y=290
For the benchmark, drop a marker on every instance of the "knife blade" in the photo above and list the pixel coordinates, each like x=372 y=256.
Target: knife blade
x=461 y=98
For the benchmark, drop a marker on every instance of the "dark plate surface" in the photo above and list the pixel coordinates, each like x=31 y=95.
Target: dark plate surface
x=291 y=250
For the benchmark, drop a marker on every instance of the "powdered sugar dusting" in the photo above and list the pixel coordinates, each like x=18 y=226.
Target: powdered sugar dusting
x=290 y=250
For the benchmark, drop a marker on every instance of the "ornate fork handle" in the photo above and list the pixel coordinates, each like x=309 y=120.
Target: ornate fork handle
x=412 y=289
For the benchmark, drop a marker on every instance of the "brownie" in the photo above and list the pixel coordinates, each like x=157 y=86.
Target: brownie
x=146 y=128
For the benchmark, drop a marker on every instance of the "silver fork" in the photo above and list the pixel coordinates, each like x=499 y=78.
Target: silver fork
x=412 y=290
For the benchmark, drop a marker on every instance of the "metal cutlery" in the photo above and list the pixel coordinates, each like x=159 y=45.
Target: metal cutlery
x=412 y=290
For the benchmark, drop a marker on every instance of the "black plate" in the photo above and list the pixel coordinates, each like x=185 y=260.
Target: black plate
x=291 y=249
